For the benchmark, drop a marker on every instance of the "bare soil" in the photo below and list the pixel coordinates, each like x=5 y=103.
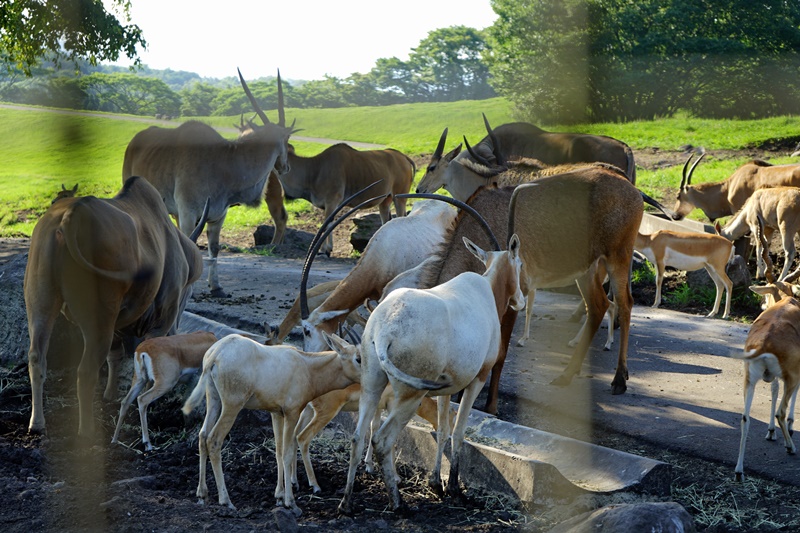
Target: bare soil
x=57 y=483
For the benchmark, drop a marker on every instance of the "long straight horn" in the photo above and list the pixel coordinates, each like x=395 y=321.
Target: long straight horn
x=252 y=99
x=765 y=251
x=281 y=114
x=440 y=147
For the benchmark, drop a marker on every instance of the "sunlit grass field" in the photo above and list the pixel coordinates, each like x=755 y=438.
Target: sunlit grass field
x=43 y=149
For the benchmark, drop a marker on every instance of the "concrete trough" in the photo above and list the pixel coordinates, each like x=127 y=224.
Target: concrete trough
x=517 y=461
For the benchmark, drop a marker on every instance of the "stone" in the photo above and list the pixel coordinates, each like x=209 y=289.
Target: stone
x=366 y=226
x=666 y=517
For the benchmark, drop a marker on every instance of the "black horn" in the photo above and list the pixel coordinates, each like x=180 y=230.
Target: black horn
x=461 y=205
x=495 y=142
x=252 y=99
x=281 y=113
x=440 y=147
x=687 y=178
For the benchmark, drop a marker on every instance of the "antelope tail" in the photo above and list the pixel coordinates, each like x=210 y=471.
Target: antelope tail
x=750 y=355
x=411 y=381
x=197 y=394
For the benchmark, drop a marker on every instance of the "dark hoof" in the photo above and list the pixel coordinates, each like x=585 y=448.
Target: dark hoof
x=345 y=510
x=403 y=511
x=219 y=293
x=436 y=488
x=618 y=388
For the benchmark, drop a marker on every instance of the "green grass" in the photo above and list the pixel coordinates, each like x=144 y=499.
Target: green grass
x=43 y=150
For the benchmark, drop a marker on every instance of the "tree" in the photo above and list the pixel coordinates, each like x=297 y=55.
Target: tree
x=197 y=100
x=450 y=62
x=67 y=29
x=129 y=93
x=577 y=60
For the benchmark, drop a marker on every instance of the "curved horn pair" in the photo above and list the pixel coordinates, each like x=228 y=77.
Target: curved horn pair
x=686 y=180
x=499 y=160
x=327 y=227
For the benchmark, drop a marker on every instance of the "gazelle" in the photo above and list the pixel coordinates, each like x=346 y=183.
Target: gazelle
x=162 y=361
x=777 y=208
x=727 y=197
x=772 y=353
x=689 y=251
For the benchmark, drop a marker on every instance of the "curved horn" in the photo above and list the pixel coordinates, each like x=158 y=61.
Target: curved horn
x=655 y=203
x=203 y=218
x=765 y=251
x=316 y=243
x=440 y=147
x=495 y=142
x=476 y=156
x=252 y=99
x=281 y=114
x=687 y=179
x=461 y=205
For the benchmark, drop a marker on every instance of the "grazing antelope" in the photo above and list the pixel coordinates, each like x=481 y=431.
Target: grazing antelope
x=161 y=361
x=193 y=162
x=776 y=207
x=521 y=140
x=725 y=198
x=239 y=373
x=772 y=353
x=397 y=246
x=336 y=173
x=116 y=268
x=689 y=251
x=400 y=347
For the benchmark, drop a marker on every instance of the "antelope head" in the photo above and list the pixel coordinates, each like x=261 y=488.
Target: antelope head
x=435 y=177
x=269 y=130
x=685 y=202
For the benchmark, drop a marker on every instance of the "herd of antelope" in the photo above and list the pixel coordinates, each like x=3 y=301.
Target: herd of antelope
x=436 y=293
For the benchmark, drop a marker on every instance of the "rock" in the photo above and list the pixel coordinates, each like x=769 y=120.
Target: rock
x=285 y=521
x=665 y=517
x=366 y=226
x=736 y=270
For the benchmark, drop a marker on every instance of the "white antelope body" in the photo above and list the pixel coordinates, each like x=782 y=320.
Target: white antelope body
x=779 y=208
x=772 y=353
x=433 y=342
x=689 y=252
x=238 y=373
x=162 y=361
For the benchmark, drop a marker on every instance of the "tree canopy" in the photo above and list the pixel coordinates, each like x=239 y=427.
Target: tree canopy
x=66 y=29
x=596 y=60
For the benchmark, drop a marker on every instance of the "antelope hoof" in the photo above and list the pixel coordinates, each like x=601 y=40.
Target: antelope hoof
x=791 y=450
x=770 y=434
x=403 y=511
x=618 y=387
x=219 y=293
x=345 y=509
x=521 y=342
x=296 y=511
x=739 y=477
x=562 y=381
x=436 y=487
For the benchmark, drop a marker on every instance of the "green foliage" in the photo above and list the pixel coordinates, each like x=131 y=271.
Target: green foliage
x=129 y=94
x=644 y=273
x=68 y=29
x=565 y=61
x=196 y=100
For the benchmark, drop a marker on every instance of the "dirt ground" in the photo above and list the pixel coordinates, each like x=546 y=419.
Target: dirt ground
x=57 y=483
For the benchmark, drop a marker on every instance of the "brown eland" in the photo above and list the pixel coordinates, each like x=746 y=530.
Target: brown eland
x=115 y=267
x=193 y=162
x=452 y=171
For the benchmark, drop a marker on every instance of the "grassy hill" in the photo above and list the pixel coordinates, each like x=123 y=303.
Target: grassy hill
x=44 y=148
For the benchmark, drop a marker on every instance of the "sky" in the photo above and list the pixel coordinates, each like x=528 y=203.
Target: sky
x=305 y=39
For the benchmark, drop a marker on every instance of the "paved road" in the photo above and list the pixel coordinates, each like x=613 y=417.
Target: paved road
x=684 y=392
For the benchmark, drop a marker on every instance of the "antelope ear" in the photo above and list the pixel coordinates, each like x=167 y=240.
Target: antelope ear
x=513 y=245
x=336 y=343
x=476 y=250
x=765 y=290
x=449 y=156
